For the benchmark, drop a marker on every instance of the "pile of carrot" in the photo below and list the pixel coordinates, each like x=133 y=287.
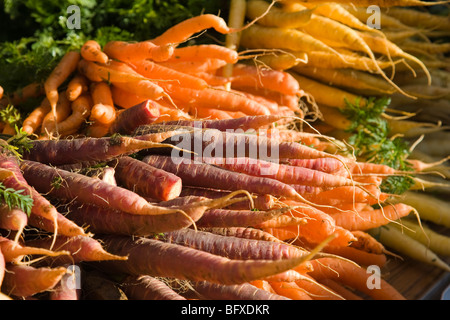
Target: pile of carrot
x=164 y=170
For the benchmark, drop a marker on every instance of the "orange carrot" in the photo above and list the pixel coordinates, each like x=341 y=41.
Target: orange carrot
x=216 y=98
x=76 y=86
x=195 y=66
x=81 y=109
x=63 y=110
x=340 y=289
x=60 y=73
x=131 y=52
x=25 y=281
x=109 y=72
x=289 y=290
x=361 y=257
x=185 y=29
x=368 y=219
x=103 y=109
x=32 y=90
x=204 y=51
x=92 y=51
x=157 y=71
x=347 y=273
x=124 y=98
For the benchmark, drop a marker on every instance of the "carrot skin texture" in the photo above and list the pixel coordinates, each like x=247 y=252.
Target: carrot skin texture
x=148 y=288
x=199 y=174
x=2 y=267
x=155 y=258
x=12 y=219
x=232 y=247
x=25 y=281
x=131 y=118
x=86 y=189
x=245 y=291
x=146 y=180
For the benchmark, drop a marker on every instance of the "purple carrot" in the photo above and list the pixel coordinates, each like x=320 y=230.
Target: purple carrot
x=260 y=202
x=281 y=172
x=213 y=291
x=68 y=151
x=145 y=287
x=198 y=174
x=146 y=180
x=232 y=247
x=242 y=123
x=70 y=185
x=81 y=248
x=110 y=221
x=243 y=232
x=328 y=165
x=129 y=119
x=156 y=258
x=237 y=218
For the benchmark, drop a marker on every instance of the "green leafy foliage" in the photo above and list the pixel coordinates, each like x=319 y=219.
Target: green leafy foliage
x=15 y=199
x=372 y=143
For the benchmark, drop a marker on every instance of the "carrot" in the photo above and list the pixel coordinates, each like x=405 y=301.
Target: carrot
x=184 y=30
x=328 y=165
x=361 y=257
x=18 y=97
x=2 y=267
x=261 y=37
x=146 y=89
x=205 y=51
x=276 y=17
x=66 y=289
x=415 y=18
x=128 y=120
x=245 y=291
x=290 y=290
x=63 y=225
x=356 y=277
x=432 y=239
x=155 y=260
x=334 y=97
x=157 y=71
x=125 y=99
x=40 y=205
x=216 y=98
x=68 y=185
x=66 y=151
x=252 y=76
x=284 y=173
x=368 y=219
x=66 y=66
x=34 y=120
x=25 y=281
x=97 y=72
x=146 y=180
x=97 y=130
x=384 y=3
x=232 y=247
x=81 y=248
x=92 y=51
x=243 y=232
x=148 y=288
x=81 y=110
x=109 y=221
x=63 y=111
x=430 y=208
x=397 y=240
x=236 y=218
x=343 y=291
x=13 y=219
x=130 y=52
x=199 y=174
x=14 y=252
x=103 y=109
x=76 y=86
x=242 y=123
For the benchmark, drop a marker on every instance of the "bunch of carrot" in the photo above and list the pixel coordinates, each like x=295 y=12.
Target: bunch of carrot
x=281 y=217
